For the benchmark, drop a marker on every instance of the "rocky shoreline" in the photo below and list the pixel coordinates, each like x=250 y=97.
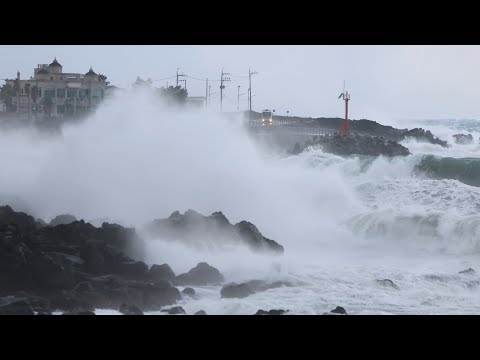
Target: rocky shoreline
x=73 y=267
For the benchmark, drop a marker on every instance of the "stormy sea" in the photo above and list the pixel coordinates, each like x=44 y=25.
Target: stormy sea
x=370 y=234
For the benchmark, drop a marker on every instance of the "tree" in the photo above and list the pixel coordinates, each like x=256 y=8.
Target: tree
x=139 y=83
x=175 y=93
x=102 y=77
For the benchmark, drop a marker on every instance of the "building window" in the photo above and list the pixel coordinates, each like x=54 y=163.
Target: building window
x=71 y=93
x=60 y=93
x=61 y=109
x=97 y=93
x=49 y=93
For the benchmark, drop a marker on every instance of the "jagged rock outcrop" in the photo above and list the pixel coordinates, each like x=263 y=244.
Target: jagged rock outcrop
x=354 y=144
x=63 y=220
x=215 y=230
x=463 y=139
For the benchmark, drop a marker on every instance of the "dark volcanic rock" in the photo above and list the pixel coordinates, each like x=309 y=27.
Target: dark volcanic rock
x=132 y=270
x=214 y=230
x=79 y=313
x=339 y=310
x=188 y=291
x=357 y=144
x=372 y=128
x=63 y=220
x=236 y=291
x=422 y=135
x=387 y=283
x=271 y=312
x=255 y=239
x=161 y=273
x=176 y=310
x=463 y=139
x=202 y=274
x=200 y=312
x=467 y=271
x=77 y=267
x=11 y=305
x=126 y=309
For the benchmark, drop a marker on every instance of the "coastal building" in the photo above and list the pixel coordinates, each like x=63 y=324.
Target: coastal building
x=55 y=93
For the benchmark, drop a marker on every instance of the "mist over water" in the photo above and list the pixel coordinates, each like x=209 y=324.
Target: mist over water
x=344 y=222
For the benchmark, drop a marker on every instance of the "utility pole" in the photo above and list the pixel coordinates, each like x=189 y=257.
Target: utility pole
x=238 y=98
x=206 y=93
x=181 y=75
x=250 y=73
x=222 y=79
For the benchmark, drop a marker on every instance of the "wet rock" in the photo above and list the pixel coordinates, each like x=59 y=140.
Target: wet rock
x=201 y=275
x=339 y=310
x=11 y=305
x=200 y=231
x=467 y=271
x=176 y=310
x=132 y=270
x=254 y=239
x=79 y=313
x=261 y=285
x=126 y=309
x=353 y=143
x=63 y=220
x=200 y=312
x=161 y=273
x=463 y=139
x=387 y=283
x=233 y=290
x=271 y=312
x=188 y=291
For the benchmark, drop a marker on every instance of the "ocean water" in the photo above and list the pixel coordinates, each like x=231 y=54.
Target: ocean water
x=344 y=222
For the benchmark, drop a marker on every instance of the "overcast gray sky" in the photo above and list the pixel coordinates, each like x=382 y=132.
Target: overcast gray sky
x=386 y=82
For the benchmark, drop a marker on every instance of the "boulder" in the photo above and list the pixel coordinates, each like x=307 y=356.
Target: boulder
x=463 y=139
x=271 y=312
x=79 y=313
x=188 y=291
x=236 y=291
x=200 y=312
x=161 y=273
x=387 y=283
x=339 y=310
x=126 y=309
x=176 y=310
x=201 y=275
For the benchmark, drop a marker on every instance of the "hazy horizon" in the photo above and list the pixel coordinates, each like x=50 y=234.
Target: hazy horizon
x=386 y=82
